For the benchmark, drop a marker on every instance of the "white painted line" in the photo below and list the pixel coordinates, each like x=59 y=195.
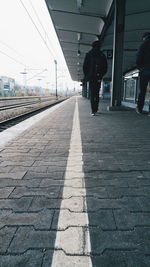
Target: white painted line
x=72 y=245
x=14 y=131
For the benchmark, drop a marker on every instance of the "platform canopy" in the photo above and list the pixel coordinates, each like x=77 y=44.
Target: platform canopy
x=80 y=22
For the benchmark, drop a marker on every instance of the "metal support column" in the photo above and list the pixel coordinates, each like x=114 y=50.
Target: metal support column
x=117 y=75
x=84 y=89
x=55 y=61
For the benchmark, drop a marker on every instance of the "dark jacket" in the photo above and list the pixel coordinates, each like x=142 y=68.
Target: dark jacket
x=143 y=55
x=95 y=65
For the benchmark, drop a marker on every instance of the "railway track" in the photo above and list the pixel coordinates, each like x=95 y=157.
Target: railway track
x=14 y=102
x=14 y=110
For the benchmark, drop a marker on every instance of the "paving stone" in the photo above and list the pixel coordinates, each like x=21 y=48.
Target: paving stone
x=123 y=192
x=53 y=158
x=71 y=241
x=103 y=167
x=136 y=168
x=52 y=192
x=37 y=169
x=49 y=163
x=73 y=192
x=72 y=175
x=20 y=204
x=121 y=259
x=50 y=182
x=5 y=192
x=6 y=235
x=8 y=155
x=73 y=159
x=20 y=157
x=16 y=163
x=74 y=204
x=19 y=150
x=105 y=182
x=15 y=182
x=47 y=259
x=40 y=220
x=103 y=219
x=127 y=220
x=54 y=175
x=69 y=219
x=125 y=203
x=31 y=258
x=74 y=182
x=138 y=182
x=109 y=258
x=40 y=203
x=18 y=168
x=16 y=175
x=99 y=192
x=146 y=174
x=26 y=238
x=55 y=152
x=56 y=168
x=120 y=240
x=75 y=169
x=144 y=203
x=63 y=260
x=124 y=175
x=6 y=169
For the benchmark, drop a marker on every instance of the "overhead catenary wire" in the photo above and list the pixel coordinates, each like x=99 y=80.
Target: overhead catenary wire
x=39 y=21
x=51 y=52
x=11 y=48
x=37 y=16
x=13 y=58
x=21 y=63
x=36 y=75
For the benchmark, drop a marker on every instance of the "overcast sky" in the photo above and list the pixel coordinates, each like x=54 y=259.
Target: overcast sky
x=22 y=47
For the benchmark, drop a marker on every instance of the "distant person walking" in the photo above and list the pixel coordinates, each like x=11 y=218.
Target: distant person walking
x=143 y=64
x=94 y=68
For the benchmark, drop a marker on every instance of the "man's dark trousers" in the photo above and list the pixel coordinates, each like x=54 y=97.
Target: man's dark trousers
x=94 y=87
x=144 y=79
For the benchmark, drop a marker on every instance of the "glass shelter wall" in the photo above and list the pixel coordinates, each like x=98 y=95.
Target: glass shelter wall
x=131 y=90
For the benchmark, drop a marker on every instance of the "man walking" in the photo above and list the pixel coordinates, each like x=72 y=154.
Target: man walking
x=143 y=64
x=94 y=68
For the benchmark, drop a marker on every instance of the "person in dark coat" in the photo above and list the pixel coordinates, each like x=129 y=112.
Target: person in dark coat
x=143 y=64
x=94 y=68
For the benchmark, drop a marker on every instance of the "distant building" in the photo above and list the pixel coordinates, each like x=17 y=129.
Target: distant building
x=7 y=86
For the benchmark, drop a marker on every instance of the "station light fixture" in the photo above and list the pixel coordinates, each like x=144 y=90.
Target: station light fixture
x=79 y=3
x=78 y=53
x=79 y=36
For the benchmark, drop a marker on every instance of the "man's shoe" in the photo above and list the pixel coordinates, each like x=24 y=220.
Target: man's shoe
x=92 y=114
x=138 y=111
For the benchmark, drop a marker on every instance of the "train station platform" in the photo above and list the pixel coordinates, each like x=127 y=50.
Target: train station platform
x=75 y=189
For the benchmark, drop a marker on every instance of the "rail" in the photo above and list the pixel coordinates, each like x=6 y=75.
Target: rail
x=12 y=108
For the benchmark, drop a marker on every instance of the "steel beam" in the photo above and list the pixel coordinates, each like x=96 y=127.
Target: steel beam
x=118 y=48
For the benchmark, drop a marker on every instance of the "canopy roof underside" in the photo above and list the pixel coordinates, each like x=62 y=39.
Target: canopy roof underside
x=79 y=22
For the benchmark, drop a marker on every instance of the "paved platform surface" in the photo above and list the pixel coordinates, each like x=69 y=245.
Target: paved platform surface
x=75 y=190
